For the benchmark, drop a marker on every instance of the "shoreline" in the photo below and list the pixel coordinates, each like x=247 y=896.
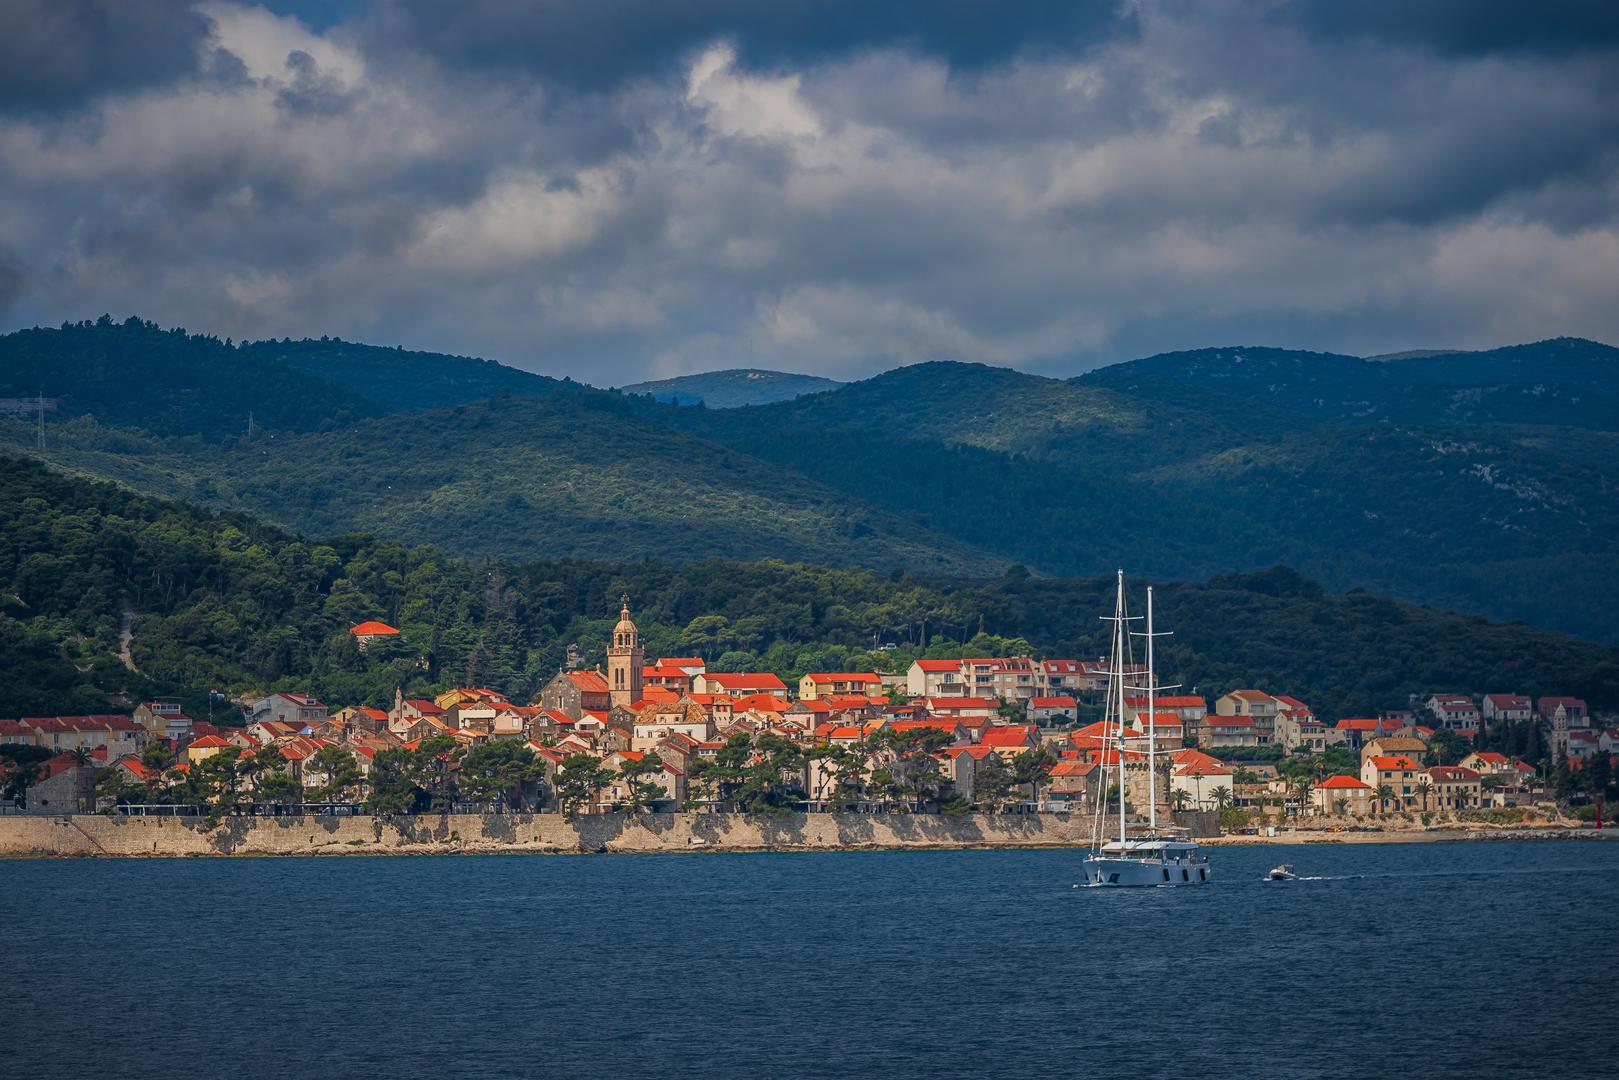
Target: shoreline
x=95 y=836
x=1418 y=836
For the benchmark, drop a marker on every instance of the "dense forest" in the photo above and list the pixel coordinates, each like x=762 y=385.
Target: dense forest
x=1438 y=479
x=733 y=388
x=221 y=602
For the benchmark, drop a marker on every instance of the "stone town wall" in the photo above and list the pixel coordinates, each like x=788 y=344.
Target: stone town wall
x=93 y=835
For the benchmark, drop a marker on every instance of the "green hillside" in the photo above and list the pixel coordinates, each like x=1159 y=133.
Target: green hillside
x=1564 y=381
x=395 y=380
x=168 y=381
x=1182 y=466
x=1075 y=478
x=732 y=389
x=224 y=603
x=516 y=478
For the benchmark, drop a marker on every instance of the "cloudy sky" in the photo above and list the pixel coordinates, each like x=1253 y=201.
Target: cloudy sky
x=619 y=189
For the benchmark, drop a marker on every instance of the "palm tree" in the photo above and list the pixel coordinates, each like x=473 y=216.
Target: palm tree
x=1303 y=785
x=1424 y=789
x=1221 y=796
x=1340 y=805
x=1384 y=794
x=1180 y=798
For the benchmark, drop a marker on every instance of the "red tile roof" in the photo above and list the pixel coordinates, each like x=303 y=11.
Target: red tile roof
x=957 y=704
x=1017 y=735
x=1059 y=702
x=1169 y=701
x=1335 y=783
x=372 y=628
x=745 y=680
x=937 y=723
x=591 y=682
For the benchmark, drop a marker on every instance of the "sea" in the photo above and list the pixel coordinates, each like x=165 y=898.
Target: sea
x=1481 y=959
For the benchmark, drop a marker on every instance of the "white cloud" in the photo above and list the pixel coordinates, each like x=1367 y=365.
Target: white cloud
x=747 y=105
x=839 y=215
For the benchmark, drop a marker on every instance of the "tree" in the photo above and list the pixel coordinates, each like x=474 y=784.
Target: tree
x=579 y=781
x=396 y=783
x=1599 y=775
x=1340 y=806
x=1303 y=785
x=992 y=781
x=19 y=766
x=497 y=774
x=279 y=786
x=1447 y=747
x=1385 y=793
x=641 y=780
x=1221 y=796
x=1424 y=789
x=337 y=765
x=1562 y=777
x=1179 y=798
x=1031 y=769
x=835 y=763
x=719 y=778
x=908 y=773
x=769 y=776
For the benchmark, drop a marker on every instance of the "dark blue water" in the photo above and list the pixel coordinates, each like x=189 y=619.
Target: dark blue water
x=1438 y=960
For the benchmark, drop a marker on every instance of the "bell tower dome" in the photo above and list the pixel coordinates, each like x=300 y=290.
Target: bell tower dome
x=624 y=660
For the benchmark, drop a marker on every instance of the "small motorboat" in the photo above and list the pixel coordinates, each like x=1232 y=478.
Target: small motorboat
x=1283 y=872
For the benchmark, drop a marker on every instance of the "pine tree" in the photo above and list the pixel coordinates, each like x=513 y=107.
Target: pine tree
x=1562 y=777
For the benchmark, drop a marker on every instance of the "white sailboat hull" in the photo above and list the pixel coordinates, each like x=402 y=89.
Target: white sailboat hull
x=1105 y=871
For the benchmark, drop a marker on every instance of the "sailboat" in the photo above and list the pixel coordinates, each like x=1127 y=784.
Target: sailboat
x=1152 y=856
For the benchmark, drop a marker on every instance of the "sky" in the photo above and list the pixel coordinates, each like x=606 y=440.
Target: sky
x=628 y=189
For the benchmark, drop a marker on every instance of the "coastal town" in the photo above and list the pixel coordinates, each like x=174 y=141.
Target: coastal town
x=946 y=734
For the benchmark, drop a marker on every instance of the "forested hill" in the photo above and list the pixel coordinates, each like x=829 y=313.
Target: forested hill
x=222 y=602
x=1437 y=478
x=399 y=380
x=1565 y=381
x=1072 y=477
x=734 y=388
x=136 y=374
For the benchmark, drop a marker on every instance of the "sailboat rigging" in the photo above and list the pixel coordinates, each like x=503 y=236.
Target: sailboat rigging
x=1153 y=857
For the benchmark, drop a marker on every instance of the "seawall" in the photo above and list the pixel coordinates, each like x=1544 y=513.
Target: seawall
x=437 y=834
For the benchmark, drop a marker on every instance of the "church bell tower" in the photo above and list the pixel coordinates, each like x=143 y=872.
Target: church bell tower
x=624 y=660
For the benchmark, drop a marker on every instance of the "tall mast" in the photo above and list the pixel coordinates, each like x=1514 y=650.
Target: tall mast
x=1119 y=639
x=1152 y=718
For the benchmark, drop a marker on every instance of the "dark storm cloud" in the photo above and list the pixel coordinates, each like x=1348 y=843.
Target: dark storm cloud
x=623 y=189
x=597 y=45
x=59 y=52
x=1470 y=27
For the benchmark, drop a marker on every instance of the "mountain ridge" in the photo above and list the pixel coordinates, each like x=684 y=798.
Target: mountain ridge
x=730 y=388
x=1184 y=465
